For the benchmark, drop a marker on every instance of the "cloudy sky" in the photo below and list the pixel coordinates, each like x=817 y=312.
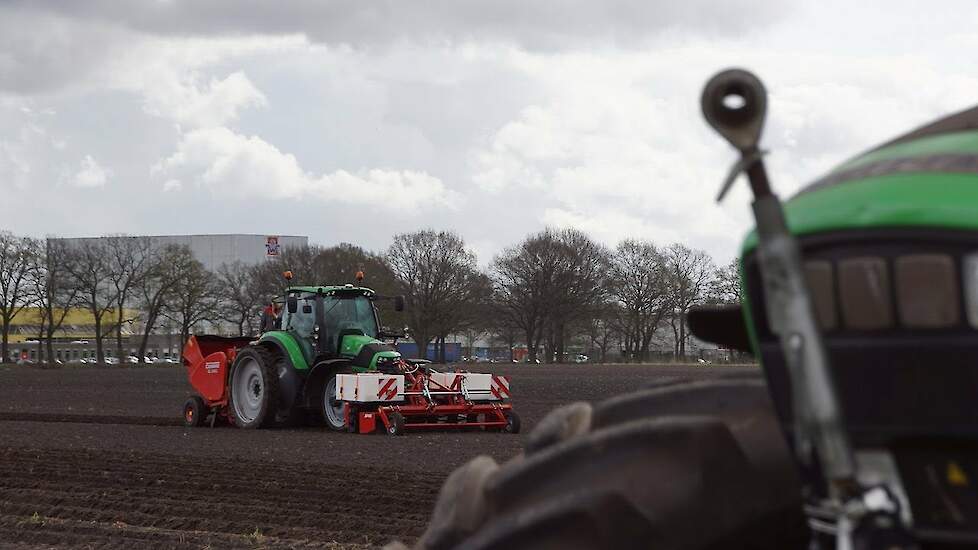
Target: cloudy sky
x=350 y=121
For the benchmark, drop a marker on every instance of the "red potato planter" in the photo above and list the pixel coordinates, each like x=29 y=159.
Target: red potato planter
x=422 y=398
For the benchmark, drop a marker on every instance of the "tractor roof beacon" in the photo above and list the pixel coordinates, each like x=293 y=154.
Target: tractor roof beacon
x=861 y=303
x=326 y=357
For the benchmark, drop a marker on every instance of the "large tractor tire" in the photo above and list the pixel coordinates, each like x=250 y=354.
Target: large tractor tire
x=691 y=465
x=331 y=410
x=254 y=388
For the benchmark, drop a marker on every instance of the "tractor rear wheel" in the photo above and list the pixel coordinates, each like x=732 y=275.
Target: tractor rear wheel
x=254 y=388
x=194 y=412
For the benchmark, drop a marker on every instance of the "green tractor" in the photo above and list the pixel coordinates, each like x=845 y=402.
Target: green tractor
x=291 y=369
x=859 y=432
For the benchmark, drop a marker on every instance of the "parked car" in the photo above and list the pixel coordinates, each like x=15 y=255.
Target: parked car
x=580 y=358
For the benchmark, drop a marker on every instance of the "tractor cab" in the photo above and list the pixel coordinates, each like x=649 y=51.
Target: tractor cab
x=330 y=322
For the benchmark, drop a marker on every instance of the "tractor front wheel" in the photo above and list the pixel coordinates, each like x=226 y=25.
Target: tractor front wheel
x=254 y=388
x=194 y=412
x=332 y=409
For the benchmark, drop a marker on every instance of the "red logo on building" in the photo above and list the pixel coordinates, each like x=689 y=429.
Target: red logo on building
x=272 y=248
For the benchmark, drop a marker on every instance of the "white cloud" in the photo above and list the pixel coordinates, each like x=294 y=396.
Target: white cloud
x=585 y=115
x=238 y=167
x=625 y=153
x=541 y=24
x=91 y=174
x=194 y=105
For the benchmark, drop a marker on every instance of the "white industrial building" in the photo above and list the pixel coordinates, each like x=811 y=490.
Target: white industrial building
x=215 y=250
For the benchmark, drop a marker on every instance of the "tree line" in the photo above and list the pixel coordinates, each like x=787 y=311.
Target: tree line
x=555 y=288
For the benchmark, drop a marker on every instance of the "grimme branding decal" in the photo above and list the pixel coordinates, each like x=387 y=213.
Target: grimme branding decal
x=212 y=367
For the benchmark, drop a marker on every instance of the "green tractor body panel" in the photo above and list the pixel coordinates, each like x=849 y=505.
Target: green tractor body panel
x=381 y=356
x=353 y=343
x=287 y=342
x=366 y=352
x=930 y=197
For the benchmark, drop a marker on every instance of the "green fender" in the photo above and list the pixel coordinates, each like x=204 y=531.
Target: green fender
x=286 y=342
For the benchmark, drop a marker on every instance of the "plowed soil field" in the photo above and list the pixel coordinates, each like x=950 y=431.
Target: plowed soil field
x=97 y=457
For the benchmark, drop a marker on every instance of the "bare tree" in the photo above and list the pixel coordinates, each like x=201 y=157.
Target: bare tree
x=689 y=276
x=241 y=296
x=726 y=287
x=439 y=278
x=522 y=279
x=577 y=287
x=55 y=295
x=602 y=331
x=93 y=278
x=157 y=288
x=549 y=280
x=638 y=283
x=500 y=324
x=194 y=298
x=129 y=259
x=18 y=262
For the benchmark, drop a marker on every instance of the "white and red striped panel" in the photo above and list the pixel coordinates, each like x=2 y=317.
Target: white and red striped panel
x=370 y=387
x=500 y=387
x=478 y=386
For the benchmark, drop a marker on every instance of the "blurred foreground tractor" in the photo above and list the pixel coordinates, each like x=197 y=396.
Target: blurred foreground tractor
x=326 y=355
x=861 y=430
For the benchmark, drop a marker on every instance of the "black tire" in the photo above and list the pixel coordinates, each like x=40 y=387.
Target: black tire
x=253 y=388
x=396 y=424
x=512 y=423
x=195 y=412
x=330 y=410
x=288 y=413
x=657 y=465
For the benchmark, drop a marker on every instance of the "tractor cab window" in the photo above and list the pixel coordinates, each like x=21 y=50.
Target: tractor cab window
x=348 y=313
x=304 y=319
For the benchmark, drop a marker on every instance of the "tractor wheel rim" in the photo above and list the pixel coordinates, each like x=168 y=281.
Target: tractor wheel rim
x=248 y=390
x=331 y=407
x=189 y=415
